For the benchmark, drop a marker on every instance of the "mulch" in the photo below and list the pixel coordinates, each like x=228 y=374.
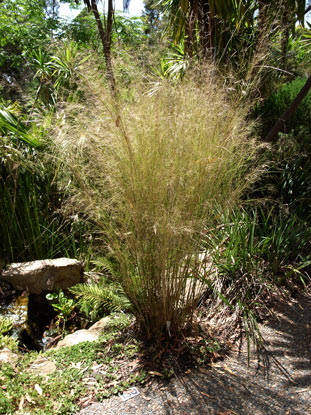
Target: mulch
x=275 y=382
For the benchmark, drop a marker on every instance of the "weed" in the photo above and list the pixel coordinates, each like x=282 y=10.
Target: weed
x=6 y=341
x=63 y=306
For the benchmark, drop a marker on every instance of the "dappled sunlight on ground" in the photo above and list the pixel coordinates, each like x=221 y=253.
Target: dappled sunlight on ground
x=278 y=383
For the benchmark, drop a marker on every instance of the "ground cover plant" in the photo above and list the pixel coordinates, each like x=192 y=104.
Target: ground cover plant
x=92 y=371
x=83 y=371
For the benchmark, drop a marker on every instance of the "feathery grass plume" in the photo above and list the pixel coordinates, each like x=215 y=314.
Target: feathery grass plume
x=151 y=179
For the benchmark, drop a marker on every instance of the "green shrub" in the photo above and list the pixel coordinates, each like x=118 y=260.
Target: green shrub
x=290 y=175
x=287 y=247
x=258 y=247
x=253 y=253
x=286 y=185
x=234 y=246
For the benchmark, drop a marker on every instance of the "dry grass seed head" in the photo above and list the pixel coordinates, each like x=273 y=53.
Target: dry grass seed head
x=151 y=178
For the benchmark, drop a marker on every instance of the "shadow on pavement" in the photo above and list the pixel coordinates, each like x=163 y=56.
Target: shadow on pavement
x=233 y=387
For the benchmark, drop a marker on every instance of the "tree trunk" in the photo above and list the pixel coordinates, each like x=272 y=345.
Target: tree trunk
x=105 y=36
x=279 y=125
x=204 y=27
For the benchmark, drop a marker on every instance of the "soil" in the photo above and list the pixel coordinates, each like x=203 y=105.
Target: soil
x=275 y=382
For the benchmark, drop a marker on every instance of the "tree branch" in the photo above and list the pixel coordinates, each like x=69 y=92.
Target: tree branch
x=279 y=125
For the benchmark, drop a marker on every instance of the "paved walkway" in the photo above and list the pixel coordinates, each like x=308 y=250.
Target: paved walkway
x=279 y=385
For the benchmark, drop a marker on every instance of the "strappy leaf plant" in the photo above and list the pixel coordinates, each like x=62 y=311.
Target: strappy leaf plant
x=14 y=126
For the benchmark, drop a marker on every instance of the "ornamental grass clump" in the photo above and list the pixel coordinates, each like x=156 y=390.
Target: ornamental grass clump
x=151 y=177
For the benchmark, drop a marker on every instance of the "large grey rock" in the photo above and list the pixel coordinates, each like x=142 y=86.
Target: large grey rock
x=44 y=275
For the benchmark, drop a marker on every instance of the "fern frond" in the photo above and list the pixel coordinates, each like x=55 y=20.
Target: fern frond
x=105 y=297
x=105 y=266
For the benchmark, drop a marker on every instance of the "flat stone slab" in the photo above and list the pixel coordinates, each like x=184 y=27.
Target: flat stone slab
x=44 y=275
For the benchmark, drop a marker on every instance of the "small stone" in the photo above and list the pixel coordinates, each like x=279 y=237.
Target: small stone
x=7 y=356
x=100 y=325
x=42 y=367
x=78 y=337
